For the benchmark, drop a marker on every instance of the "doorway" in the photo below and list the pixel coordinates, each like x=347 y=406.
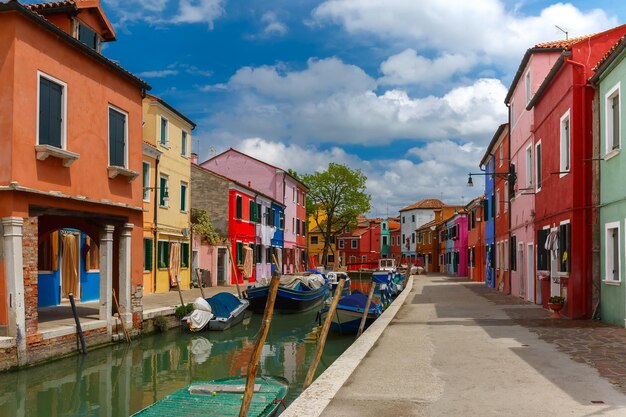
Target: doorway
x=530 y=269
x=70 y=264
x=221 y=266
x=520 y=273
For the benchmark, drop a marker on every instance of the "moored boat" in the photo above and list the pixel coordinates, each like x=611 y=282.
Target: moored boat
x=349 y=312
x=221 y=397
x=296 y=293
x=220 y=312
x=333 y=281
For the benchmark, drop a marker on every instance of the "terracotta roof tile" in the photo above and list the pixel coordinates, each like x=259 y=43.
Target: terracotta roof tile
x=609 y=52
x=427 y=203
x=564 y=43
x=50 y=5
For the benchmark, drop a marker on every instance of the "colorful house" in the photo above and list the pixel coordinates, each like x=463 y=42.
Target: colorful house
x=395 y=250
x=476 y=239
x=427 y=247
x=412 y=217
x=451 y=256
x=534 y=67
x=460 y=244
x=69 y=199
x=610 y=72
x=360 y=248
x=385 y=241
x=442 y=233
x=502 y=190
x=167 y=227
x=279 y=185
x=562 y=109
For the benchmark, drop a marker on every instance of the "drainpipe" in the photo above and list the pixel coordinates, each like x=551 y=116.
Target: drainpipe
x=155 y=246
x=509 y=204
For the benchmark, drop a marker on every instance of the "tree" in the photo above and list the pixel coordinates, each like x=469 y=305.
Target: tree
x=202 y=225
x=335 y=200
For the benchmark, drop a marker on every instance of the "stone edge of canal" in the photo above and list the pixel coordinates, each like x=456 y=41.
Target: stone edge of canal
x=312 y=401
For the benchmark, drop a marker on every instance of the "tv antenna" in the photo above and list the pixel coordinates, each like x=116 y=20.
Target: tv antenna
x=563 y=30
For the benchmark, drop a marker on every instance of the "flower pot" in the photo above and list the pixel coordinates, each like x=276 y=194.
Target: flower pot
x=555 y=307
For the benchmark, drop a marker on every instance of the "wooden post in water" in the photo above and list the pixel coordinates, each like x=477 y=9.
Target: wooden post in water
x=232 y=262
x=79 y=330
x=199 y=274
x=321 y=342
x=119 y=315
x=367 y=308
x=256 y=353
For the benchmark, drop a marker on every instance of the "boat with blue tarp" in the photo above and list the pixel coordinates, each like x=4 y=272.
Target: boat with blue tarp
x=296 y=292
x=220 y=312
x=349 y=312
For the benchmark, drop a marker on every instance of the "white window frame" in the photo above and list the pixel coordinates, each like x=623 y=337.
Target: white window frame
x=41 y=75
x=497 y=202
x=340 y=244
x=354 y=244
x=184 y=146
x=505 y=255
x=165 y=144
x=505 y=199
x=117 y=109
x=608 y=126
x=146 y=187
x=500 y=154
x=608 y=261
x=560 y=273
x=512 y=113
x=565 y=157
x=538 y=167
x=529 y=165
x=528 y=86
x=167 y=185
x=186 y=185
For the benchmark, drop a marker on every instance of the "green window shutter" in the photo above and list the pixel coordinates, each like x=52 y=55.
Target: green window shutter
x=252 y=209
x=50 y=113
x=183 y=197
x=239 y=253
x=239 y=207
x=167 y=253
x=162 y=189
x=147 y=254
x=184 y=255
x=160 y=260
x=259 y=213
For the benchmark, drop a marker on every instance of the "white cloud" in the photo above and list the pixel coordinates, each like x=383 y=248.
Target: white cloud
x=164 y=12
x=199 y=11
x=273 y=27
x=484 y=27
x=157 y=73
x=408 y=67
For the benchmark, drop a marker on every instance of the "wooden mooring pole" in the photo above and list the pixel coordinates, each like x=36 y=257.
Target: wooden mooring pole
x=256 y=353
x=232 y=262
x=119 y=315
x=321 y=342
x=367 y=309
x=79 y=330
x=199 y=274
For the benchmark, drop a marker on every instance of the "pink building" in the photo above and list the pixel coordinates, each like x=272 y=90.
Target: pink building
x=533 y=69
x=460 y=243
x=277 y=184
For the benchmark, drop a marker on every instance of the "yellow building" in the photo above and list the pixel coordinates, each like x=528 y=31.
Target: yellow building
x=316 y=241
x=166 y=182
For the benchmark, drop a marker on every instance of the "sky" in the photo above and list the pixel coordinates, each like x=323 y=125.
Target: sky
x=408 y=91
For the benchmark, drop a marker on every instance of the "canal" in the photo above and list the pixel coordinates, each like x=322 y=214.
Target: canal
x=121 y=380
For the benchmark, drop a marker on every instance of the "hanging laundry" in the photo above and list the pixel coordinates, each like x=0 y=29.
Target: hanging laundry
x=248 y=262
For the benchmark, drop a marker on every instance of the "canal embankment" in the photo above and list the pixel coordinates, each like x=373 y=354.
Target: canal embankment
x=316 y=398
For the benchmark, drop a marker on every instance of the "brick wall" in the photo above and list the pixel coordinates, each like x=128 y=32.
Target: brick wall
x=210 y=192
x=29 y=259
x=40 y=350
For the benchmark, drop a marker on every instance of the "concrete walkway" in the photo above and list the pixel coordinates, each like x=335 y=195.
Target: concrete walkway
x=453 y=351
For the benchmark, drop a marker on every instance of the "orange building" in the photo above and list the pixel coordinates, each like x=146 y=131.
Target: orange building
x=70 y=204
x=427 y=246
x=476 y=239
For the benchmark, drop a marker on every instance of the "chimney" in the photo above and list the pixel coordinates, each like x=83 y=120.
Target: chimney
x=249 y=183
x=194 y=158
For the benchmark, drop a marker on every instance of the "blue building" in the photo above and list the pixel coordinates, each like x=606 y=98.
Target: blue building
x=278 y=240
x=450 y=238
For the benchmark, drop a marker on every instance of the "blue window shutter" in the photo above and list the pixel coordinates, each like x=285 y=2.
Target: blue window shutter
x=50 y=113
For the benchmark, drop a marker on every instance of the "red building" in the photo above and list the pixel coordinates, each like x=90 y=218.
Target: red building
x=241 y=225
x=361 y=247
x=563 y=147
x=476 y=239
x=395 y=250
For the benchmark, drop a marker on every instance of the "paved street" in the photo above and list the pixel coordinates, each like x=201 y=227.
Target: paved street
x=459 y=349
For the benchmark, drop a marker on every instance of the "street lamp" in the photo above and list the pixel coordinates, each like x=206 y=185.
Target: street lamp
x=510 y=176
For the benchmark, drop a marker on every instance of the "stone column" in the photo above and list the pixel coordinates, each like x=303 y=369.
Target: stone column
x=14 y=272
x=106 y=274
x=125 y=274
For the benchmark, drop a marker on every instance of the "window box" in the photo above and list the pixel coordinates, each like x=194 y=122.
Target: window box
x=114 y=171
x=44 y=151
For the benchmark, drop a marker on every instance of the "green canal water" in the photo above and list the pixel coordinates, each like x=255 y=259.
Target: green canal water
x=121 y=380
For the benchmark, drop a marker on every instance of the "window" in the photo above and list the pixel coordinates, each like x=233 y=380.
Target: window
x=506 y=197
x=354 y=244
x=543 y=255
x=147 y=254
x=538 y=166
x=239 y=207
x=512 y=114
x=88 y=36
x=528 y=87
x=564 y=247
x=183 y=144
x=413 y=218
x=163 y=254
x=259 y=213
x=497 y=204
x=164 y=131
x=612 y=129
x=393 y=240
x=403 y=219
x=117 y=137
x=565 y=144
x=529 y=166
x=501 y=154
x=612 y=252
x=163 y=192
x=184 y=255
x=512 y=256
x=252 y=208
x=146 y=181
x=314 y=240
x=51 y=126
x=282 y=220
x=506 y=255
x=486 y=208
x=493 y=206
x=430 y=237
x=340 y=243
x=385 y=240
x=331 y=258
x=183 y=196
x=384 y=226
x=297 y=227
x=403 y=237
x=303 y=199
x=92 y=257
x=239 y=253
x=412 y=237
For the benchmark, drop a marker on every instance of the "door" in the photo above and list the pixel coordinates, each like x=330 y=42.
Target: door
x=530 y=273
x=520 y=270
x=69 y=265
x=221 y=266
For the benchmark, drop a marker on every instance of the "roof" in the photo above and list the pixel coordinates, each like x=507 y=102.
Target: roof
x=605 y=62
x=251 y=190
x=40 y=20
x=172 y=109
x=427 y=203
x=546 y=82
x=522 y=67
x=429 y=224
x=566 y=43
x=494 y=139
x=258 y=160
x=51 y=5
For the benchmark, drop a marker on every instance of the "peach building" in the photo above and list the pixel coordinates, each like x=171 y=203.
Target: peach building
x=70 y=201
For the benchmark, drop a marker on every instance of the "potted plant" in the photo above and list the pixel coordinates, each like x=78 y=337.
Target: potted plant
x=555 y=303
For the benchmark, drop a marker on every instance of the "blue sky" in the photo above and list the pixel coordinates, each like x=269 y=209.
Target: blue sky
x=408 y=91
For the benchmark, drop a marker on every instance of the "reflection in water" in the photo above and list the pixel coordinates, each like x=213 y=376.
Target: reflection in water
x=121 y=380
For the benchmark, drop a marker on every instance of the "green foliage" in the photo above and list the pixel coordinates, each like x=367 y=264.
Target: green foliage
x=202 y=225
x=160 y=323
x=335 y=199
x=294 y=174
x=182 y=311
x=556 y=299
